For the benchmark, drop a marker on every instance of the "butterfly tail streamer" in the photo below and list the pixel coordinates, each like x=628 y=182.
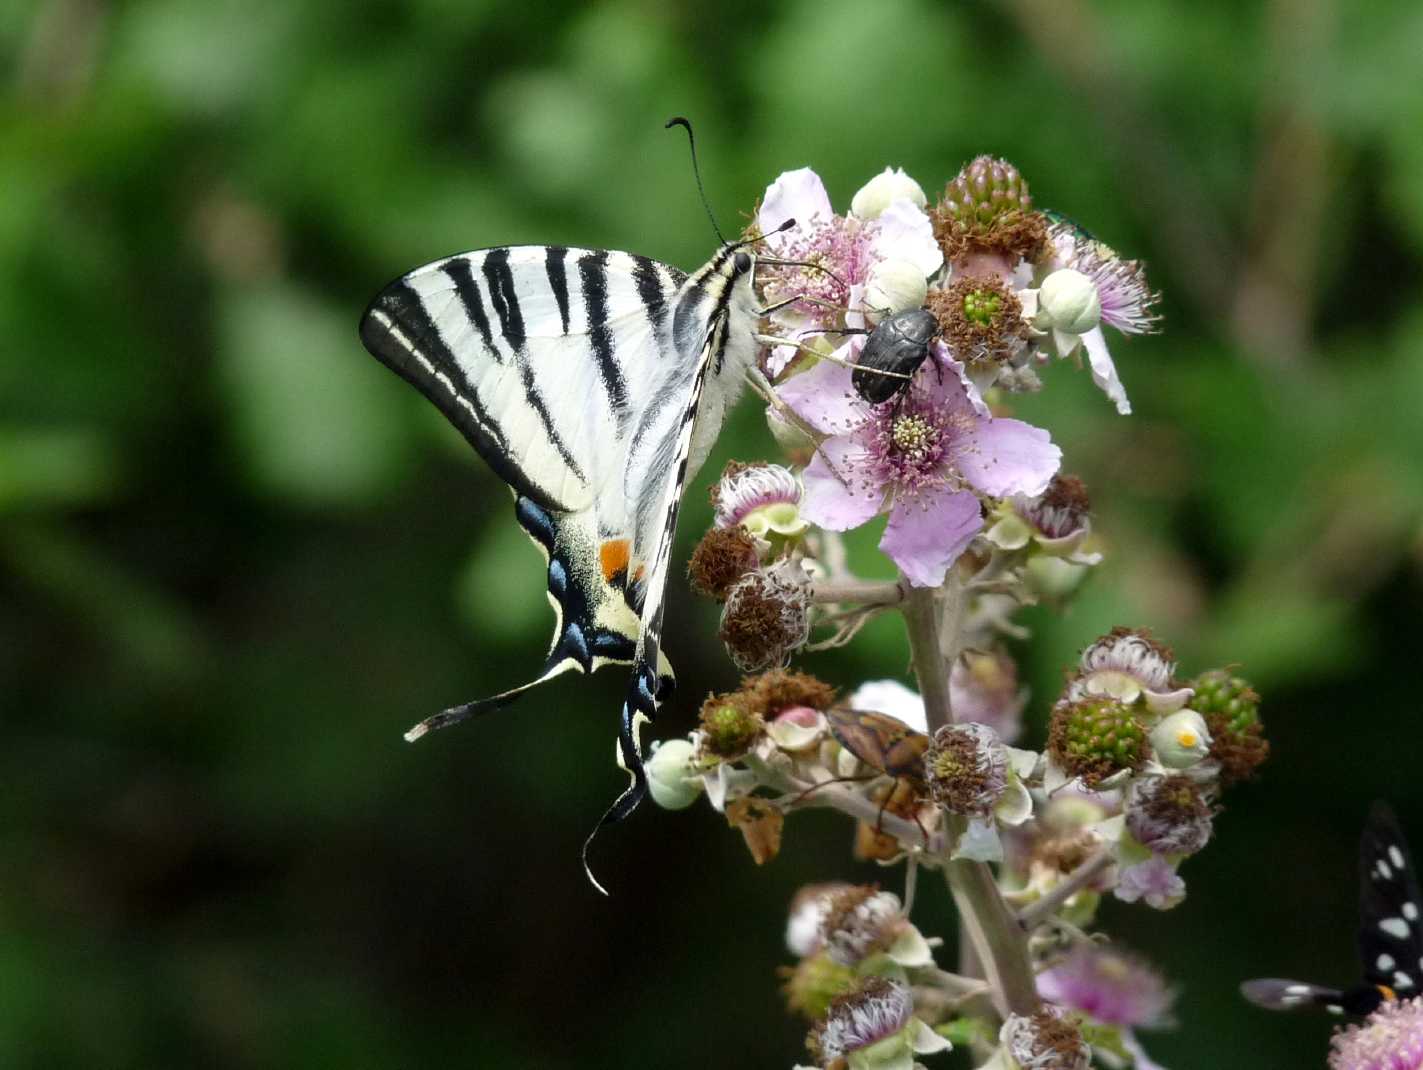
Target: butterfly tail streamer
x=556 y=666
x=638 y=709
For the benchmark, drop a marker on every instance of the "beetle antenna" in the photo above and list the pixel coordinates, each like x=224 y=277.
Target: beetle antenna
x=678 y=120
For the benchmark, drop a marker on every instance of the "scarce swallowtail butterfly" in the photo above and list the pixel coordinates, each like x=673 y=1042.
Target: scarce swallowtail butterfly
x=593 y=383
x=1390 y=932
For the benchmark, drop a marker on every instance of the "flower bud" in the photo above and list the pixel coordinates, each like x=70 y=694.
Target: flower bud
x=1181 y=739
x=893 y=286
x=1392 y=1037
x=1068 y=302
x=673 y=780
x=890 y=185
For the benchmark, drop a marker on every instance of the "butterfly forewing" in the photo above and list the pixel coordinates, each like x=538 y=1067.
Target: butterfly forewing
x=536 y=354
x=1390 y=935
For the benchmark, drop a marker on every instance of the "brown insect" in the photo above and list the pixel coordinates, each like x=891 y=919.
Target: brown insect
x=881 y=742
x=890 y=746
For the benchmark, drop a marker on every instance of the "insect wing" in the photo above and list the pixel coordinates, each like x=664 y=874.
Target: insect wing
x=880 y=741
x=1390 y=935
x=1277 y=994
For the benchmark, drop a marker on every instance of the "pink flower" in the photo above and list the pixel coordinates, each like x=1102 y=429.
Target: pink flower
x=1107 y=984
x=846 y=246
x=1390 y=1039
x=926 y=457
x=1154 y=880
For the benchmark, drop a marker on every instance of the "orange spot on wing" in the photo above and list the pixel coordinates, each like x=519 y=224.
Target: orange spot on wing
x=613 y=558
x=1389 y=994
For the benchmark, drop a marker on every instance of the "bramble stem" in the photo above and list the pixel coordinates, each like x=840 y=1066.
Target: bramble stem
x=990 y=927
x=1073 y=883
x=921 y=617
x=1001 y=945
x=864 y=592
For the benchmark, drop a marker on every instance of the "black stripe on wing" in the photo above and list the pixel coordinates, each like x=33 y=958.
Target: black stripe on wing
x=593 y=278
x=398 y=330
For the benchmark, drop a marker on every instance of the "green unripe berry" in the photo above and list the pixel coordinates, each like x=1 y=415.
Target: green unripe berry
x=1096 y=737
x=1217 y=692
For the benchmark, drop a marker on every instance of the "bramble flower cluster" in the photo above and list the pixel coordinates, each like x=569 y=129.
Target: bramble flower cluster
x=894 y=333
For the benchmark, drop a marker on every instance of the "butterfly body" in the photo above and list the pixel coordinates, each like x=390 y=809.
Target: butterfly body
x=593 y=383
x=1390 y=937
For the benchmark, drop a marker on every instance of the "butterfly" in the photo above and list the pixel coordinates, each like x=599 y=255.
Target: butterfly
x=1390 y=938
x=593 y=383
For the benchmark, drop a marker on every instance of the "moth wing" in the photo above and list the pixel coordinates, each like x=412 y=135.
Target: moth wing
x=1278 y=994
x=1390 y=934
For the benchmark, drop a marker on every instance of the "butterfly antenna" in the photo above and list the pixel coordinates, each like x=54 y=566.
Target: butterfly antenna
x=678 y=120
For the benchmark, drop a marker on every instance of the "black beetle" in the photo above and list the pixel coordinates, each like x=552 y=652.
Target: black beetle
x=899 y=345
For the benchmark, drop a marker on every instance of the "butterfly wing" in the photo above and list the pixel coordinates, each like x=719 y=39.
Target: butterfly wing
x=1390 y=936
x=541 y=357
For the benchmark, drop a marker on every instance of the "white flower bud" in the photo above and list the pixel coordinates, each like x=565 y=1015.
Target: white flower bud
x=1068 y=302
x=1181 y=739
x=672 y=780
x=894 y=286
x=883 y=190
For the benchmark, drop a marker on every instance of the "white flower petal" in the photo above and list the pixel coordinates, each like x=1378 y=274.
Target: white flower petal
x=925 y=1041
x=893 y=699
x=1104 y=372
x=1015 y=805
x=980 y=842
x=798 y=195
x=905 y=233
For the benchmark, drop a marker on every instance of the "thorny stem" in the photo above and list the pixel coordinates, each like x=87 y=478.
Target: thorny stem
x=864 y=592
x=1073 y=883
x=992 y=929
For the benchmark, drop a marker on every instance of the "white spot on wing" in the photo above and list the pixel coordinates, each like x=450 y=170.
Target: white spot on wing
x=1402 y=981
x=1298 y=990
x=1384 y=962
x=1381 y=871
x=1410 y=911
x=1394 y=927
x=1395 y=856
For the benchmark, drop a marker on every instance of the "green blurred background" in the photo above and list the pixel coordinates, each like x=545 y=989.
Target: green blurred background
x=238 y=558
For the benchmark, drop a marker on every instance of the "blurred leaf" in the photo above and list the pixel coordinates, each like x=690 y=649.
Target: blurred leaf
x=313 y=416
